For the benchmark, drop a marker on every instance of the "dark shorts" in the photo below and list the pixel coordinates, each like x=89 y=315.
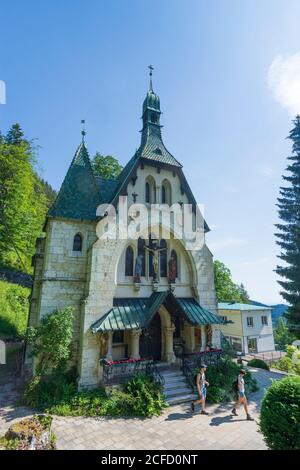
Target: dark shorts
x=241 y=394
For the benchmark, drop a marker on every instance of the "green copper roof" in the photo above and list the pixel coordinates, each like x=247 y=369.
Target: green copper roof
x=136 y=313
x=78 y=197
x=106 y=188
x=152 y=148
x=240 y=306
x=196 y=314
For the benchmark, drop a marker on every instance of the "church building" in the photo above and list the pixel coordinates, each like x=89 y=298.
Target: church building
x=133 y=299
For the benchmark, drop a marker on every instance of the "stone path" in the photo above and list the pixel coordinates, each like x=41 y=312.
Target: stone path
x=176 y=428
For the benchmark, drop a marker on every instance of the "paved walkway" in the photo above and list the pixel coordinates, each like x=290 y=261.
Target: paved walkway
x=176 y=428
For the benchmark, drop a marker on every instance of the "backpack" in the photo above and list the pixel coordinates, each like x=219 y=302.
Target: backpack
x=195 y=379
x=235 y=385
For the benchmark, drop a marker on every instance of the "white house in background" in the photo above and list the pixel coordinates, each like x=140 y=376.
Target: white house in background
x=249 y=328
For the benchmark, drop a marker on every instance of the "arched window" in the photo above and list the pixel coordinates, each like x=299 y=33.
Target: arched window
x=166 y=193
x=175 y=258
x=150 y=190
x=147 y=192
x=77 y=242
x=163 y=194
x=141 y=251
x=163 y=259
x=129 y=261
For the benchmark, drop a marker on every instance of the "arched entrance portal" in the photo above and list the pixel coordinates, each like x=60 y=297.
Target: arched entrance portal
x=150 y=340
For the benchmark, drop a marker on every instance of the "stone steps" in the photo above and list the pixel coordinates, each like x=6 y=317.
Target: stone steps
x=176 y=389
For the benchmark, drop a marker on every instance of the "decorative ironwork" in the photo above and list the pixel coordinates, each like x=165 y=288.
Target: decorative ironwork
x=191 y=363
x=118 y=372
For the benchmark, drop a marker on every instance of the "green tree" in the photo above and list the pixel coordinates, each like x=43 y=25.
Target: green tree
x=226 y=289
x=49 y=192
x=23 y=203
x=107 y=166
x=288 y=237
x=51 y=340
x=282 y=335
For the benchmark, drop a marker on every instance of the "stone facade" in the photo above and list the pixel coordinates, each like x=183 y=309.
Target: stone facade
x=91 y=278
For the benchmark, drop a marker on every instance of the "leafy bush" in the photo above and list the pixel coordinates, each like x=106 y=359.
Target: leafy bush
x=14 y=307
x=221 y=377
x=258 y=363
x=51 y=340
x=290 y=362
x=280 y=414
x=57 y=394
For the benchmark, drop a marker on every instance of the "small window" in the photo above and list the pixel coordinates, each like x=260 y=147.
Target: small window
x=264 y=320
x=118 y=336
x=147 y=192
x=77 y=242
x=250 y=321
x=129 y=261
x=163 y=195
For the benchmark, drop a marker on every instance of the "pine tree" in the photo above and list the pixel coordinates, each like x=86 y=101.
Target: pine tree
x=288 y=237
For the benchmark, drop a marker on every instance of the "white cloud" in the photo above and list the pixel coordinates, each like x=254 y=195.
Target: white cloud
x=284 y=81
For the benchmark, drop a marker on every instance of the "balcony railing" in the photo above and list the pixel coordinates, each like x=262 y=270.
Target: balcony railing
x=117 y=372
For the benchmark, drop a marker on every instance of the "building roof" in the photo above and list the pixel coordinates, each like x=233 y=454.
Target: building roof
x=79 y=195
x=240 y=306
x=82 y=191
x=136 y=313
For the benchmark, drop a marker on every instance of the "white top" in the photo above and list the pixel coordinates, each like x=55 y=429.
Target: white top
x=241 y=383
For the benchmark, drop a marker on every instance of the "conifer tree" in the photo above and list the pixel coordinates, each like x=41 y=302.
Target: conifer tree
x=288 y=236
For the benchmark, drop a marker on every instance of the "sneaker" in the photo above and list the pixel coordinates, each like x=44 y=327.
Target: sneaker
x=249 y=418
x=193 y=407
x=204 y=412
x=233 y=411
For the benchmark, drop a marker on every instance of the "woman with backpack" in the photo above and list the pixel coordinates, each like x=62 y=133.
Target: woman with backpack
x=239 y=386
x=201 y=384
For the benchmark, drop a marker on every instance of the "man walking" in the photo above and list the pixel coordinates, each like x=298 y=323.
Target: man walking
x=241 y=395
x=201 y=384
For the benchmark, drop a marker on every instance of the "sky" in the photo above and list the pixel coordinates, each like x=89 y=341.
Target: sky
x=228 y=76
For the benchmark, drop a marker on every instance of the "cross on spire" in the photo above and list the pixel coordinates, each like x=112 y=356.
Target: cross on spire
x=83 y=133
x=150 y=67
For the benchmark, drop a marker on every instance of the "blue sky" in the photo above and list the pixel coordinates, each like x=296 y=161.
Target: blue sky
x=228 y=75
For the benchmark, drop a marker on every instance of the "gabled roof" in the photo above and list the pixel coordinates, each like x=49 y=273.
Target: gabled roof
x=153 y=148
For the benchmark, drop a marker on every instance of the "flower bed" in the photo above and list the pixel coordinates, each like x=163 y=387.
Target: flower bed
x=30 y=434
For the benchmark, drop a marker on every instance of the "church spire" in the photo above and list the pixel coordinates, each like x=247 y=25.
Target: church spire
x=151 y=108
x=151 y=68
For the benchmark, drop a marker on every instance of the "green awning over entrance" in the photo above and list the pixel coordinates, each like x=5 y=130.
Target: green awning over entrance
x=133 y=313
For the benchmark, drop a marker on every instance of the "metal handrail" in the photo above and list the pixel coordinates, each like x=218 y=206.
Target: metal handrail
x=121 y=372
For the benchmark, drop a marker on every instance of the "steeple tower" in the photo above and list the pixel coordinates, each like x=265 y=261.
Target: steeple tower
x=151 y=108
x=152 y=146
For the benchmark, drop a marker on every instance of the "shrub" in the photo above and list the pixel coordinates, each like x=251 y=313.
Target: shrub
x=280 y=414
x=221 y=377
x=14 y=307
x=57 y=394
x=51 y=340
x=290 y=362
x=258 y=363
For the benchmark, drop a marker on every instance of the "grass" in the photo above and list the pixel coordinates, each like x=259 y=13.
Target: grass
x=14 y=309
